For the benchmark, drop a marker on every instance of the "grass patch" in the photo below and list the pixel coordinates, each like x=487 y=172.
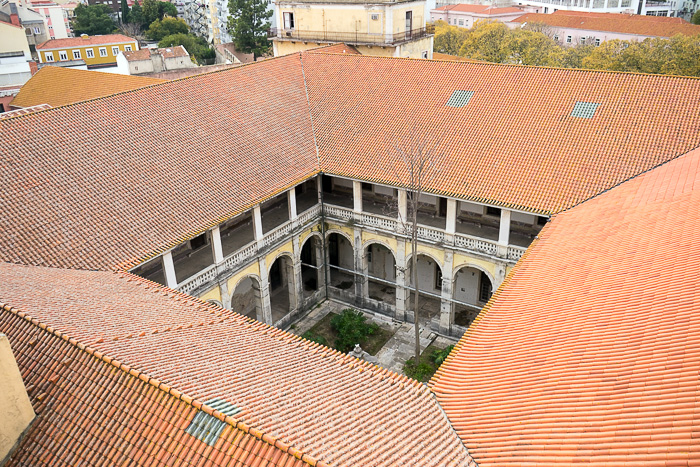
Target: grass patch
x=323 y=333
x=431 y=358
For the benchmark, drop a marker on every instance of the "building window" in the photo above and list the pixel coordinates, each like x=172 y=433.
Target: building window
x=438 y=277
x=424 y=54
x=76 y=55
x=115 y=51
x=461 y=22
x=103 y=51
x=49 y=56
x=37 y=30
x=127 y=48
x=63 y=55
x=568 y=39
x=89 y=53
x=493 y=211
x=556 y=38
x=583 y=40
x=597 y=42
x=375 y=17
x=484 y=288
x=288 y=20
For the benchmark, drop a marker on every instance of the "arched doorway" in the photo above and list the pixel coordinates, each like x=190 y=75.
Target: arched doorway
x=341 y=262
x=429 y=288
x=312 y=274
x=380 y=267
x=247 y=299
x=282 y=297
x=472 y=289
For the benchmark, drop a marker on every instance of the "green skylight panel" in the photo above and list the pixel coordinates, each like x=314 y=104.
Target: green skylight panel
x=206 y=428
x=459 y=98
x=584 y=109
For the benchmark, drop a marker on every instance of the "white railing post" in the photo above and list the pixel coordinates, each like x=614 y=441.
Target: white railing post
x=169 y=270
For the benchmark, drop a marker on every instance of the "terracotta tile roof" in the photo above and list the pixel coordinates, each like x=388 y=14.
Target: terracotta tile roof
x=590 y=351
x=513 y=144
x=156 y=166
x=652 y=26
x=145 y=54
x=327 y=404
x=58 y=86
x=452 y=58
x=487 y=10
x=24 y=111
x=94 y=410
x=86 y=41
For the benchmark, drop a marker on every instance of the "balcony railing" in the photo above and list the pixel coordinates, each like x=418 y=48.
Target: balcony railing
x=350 y=37
x=248 y=251
x=431 y=234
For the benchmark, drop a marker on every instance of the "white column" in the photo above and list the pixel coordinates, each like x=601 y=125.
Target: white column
x=446 y=308
x=292 y=201
x=169 y=270
x=403 y=205
x=451 y=216
x=257 y=223
x=357 y=196
x=401 y=291
x=504 y=229
x=216 y=245
x=266 y=311
x=358 y=267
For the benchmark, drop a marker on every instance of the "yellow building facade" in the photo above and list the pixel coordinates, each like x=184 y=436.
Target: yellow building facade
x=95 y=51
x=394 y=29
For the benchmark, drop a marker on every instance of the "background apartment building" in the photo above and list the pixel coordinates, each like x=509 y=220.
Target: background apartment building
x=385 y=28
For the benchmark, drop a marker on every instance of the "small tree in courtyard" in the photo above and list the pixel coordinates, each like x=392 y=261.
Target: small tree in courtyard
x=415 y=167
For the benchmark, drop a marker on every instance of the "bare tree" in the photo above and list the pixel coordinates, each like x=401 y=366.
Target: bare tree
x=133 y=30
x=416 y=167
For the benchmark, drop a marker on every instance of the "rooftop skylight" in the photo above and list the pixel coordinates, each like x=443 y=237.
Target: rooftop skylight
x=584 y=109
x=206 y=428
x=459 y=98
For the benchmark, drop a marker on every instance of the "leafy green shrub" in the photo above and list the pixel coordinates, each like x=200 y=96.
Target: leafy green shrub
x=310 y=336
x=439 y=356
x=351 y=328
x=421 y=372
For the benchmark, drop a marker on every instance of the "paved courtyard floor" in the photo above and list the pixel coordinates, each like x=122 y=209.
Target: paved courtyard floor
x=396 y=351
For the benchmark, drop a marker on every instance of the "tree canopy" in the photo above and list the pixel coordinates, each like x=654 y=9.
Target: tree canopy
x=248 y=25
x=93 y=20
x=153 y=10
x=495 y=42
x=696 y=18
x=166 y=27
x=195 y=46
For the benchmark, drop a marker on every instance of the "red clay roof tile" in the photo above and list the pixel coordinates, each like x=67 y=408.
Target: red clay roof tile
x=261 y=370
x=588 y=351
x=86 y=41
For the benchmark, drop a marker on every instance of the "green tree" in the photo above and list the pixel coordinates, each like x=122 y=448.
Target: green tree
x=136 y=14
x=93 y=20
x=125 y=12
x=154 y=10
x=486 y=41
x=166 y=27
x=696 y=18
x=527 y=47
x=248 y=25
x=195 y=46
x=448 y=39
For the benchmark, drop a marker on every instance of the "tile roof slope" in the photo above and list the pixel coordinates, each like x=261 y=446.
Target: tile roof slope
x=512 y=145
x=330 y=405
x=155 y=166
x=614 y=22
x=58 y=86
x=92 y=410
x=590 y=352
x=85 y=41
x=480 y=9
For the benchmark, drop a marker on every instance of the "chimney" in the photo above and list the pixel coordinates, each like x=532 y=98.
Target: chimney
x=85 y=36
x=16 y=411
x=33 y=67
x=14 y=19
